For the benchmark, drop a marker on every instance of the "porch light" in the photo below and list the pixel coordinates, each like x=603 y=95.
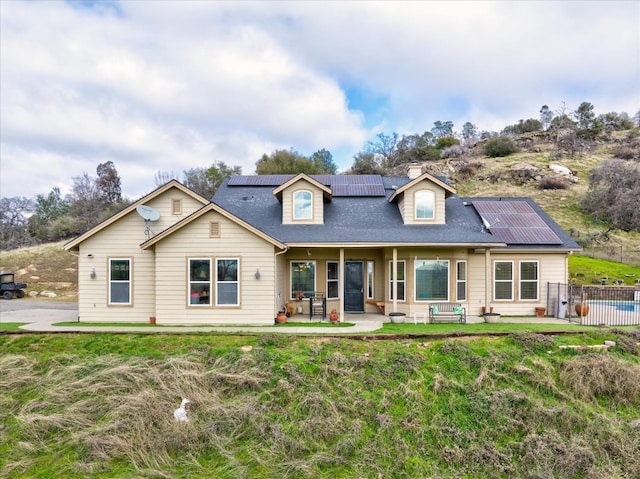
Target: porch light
x=93 y=273
x=257 y=274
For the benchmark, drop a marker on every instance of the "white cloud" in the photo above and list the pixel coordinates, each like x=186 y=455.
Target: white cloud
x=175 y=85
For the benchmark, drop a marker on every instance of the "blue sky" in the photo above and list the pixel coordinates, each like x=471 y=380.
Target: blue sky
x=168 y=86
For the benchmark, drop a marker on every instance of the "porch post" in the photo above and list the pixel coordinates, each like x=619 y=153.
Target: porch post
x=341 y=284
x=394 y=283
x=488 y=289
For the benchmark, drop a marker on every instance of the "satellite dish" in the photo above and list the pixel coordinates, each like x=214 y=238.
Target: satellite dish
x=148 y=213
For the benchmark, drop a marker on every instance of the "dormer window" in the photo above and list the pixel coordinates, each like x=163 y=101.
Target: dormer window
x=424 y=201
x=302 y=205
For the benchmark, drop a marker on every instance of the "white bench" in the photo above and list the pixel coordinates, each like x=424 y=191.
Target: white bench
x=447 y=312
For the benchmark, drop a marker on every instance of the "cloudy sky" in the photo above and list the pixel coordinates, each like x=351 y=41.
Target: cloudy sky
x=173 y=85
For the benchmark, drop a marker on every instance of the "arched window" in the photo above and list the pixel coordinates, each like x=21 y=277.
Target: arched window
x=424 y=200
x=302 y=205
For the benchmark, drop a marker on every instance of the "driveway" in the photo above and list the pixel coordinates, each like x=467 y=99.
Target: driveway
x=40 y=316
x=36 y=311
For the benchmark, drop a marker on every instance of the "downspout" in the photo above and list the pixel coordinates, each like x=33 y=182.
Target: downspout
x=488 y=294
x=341 y=284
x=394 y=283
x=275 y=272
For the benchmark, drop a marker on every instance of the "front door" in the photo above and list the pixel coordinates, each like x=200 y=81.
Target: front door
x=353 y=287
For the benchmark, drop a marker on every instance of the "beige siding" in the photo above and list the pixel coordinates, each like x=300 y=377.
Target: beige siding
x=257 y=302
x=121 y=240
x=407 y=205
x=476 y=283
x=287 y=203
x=552 y=268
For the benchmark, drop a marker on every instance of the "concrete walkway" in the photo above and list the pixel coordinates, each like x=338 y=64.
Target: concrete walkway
x=42 y=316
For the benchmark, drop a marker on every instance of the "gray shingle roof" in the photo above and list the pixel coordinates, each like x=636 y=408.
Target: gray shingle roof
x=363 y=219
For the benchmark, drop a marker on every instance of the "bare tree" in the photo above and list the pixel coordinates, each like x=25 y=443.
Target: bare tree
x=13 y=222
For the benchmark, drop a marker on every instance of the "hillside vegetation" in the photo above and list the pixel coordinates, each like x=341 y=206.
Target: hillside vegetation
x=101 y=406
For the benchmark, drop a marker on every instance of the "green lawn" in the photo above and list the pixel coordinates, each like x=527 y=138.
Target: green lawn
x=10 y=326
x=264 y=406
x=583 y=269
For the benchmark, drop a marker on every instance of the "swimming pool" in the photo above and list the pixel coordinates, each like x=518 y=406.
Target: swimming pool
x=629 y=306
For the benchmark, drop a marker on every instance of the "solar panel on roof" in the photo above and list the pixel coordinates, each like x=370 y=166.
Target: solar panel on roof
x=515 y=222
x=341 y=185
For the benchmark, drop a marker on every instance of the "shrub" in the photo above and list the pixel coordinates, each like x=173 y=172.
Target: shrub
x=552 y=183
x=614 y=189
x=454 y=151
x=500 y=146
x=446 y=142
x=468 y=170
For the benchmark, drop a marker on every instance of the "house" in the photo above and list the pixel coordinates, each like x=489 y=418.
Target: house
x=368 y=243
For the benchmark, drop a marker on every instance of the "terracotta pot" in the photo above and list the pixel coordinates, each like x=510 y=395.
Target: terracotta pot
x=582 y=309
x=281 y=318
x=333 y=316
x=152 y=320
x=484 y=309
x=540 y=312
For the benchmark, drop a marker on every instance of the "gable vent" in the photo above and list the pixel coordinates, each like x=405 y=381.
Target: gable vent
x=176 y=207
x=214 y=229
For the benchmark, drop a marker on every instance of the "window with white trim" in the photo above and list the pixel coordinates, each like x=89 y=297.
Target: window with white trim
x=303 y=278
x=302 y=205
x=199 y=281
x=370 y=277
x=503 y=280
x=120 y=281
x=529 y=280
x=332 y=280
x=431 y=280
x=424 y=204
x=227 y=284
x=401 y=280
x=461 y=280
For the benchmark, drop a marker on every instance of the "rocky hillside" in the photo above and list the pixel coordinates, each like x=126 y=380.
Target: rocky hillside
x=557 y=183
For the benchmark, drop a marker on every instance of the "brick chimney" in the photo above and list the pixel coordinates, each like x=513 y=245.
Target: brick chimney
x=415 y=170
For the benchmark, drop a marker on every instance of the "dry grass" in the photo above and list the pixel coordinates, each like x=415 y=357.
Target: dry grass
x=592 y=376
x=124 y=410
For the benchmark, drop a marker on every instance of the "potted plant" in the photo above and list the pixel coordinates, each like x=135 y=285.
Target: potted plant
x=540 y=311
x=333 y=316
x=282 y=316
x=299 y=295
x=582 y=308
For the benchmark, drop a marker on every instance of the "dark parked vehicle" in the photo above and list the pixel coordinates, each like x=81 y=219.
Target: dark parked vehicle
x=9 y=288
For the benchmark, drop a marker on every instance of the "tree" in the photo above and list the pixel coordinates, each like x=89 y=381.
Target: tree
x=49 y=209
x=469 y=133
x=613 y=121
x=416 y=149
x=366 y=164
x=612 y=198
x=587 y=124
x=523 y=126
x=196 y=180
x=86 y=203
x=384 y=146
x=323 y=162
x=108 y=183
x=13 y=222
x=284 y=162
x=546 y=115
x=163 y=177
x=442 y=128
x=218 y=172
